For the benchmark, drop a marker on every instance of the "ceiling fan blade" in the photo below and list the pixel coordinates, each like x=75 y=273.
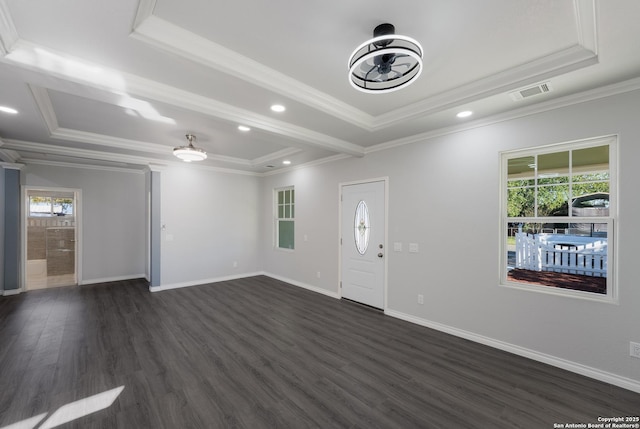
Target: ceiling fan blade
x=366 y=76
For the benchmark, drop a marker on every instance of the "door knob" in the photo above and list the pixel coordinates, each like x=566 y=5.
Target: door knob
x=380 y=255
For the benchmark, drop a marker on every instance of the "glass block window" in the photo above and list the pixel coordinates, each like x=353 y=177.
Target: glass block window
x=361 y=227
x=285 y=218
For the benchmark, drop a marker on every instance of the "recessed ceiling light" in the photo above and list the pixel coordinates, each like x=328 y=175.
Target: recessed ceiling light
x=279 y=108
x=286 y=162
x=9 y=110
x=244 y=128
x=464 y=114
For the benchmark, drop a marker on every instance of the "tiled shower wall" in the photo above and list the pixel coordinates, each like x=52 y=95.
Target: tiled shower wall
x=52 y=239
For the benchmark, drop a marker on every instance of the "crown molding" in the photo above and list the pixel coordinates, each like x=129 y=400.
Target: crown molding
x=127 y=144
x=8 y=155
x=563 y=61
x=586 y=23
x=25 y=146
x=178 y=41
x=275 y=155
x=94 y=155
x=144 y=11
x=43 y=102
x=27 y=54
x=33 y=161
x=569 y=100
x=11 y=166
x=155 y=167
x=8 y=33
x=45 y=107
x=580 y=55
x=315 y=162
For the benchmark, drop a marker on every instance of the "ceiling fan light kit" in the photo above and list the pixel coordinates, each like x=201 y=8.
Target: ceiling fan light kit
x=189 y=152
x=386 y=63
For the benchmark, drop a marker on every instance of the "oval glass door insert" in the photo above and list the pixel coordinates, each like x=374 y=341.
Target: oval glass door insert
x=361 y=227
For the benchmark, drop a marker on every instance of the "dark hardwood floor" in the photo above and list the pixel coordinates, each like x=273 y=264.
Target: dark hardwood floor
x=259 y=353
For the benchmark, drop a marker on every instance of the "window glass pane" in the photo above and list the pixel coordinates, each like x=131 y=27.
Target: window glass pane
x=553 y=168
x=285 y=234
x=566 y=261
x=287 y=212
x=63 y=206
x=591 y=204
x=553 y=200
x=521 y=202
x=292 y=196
x=287 y=196
x=518 y=183
x=39 y=206
x=292 y=215
x=280 y=212
x=523 y=167
x=591 y=160
x=280 y=197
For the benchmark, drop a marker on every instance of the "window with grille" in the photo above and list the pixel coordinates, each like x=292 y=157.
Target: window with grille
x=285 y=218
x=558 y=207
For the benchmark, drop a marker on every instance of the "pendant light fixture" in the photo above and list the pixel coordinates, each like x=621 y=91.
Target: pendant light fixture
x=385 y=63
x=189 y=152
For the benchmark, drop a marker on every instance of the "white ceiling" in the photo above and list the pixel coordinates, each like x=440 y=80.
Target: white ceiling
x=119 y=83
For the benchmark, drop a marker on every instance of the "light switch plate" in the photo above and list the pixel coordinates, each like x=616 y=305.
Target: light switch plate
x=397 y=247
x=413 y=248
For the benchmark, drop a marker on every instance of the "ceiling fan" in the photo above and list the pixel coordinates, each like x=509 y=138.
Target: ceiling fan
x=385 y=63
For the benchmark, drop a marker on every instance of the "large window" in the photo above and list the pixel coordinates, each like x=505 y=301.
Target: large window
x=285 y=217
x=558 y=210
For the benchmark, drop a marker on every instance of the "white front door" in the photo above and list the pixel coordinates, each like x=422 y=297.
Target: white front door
x=363 y=250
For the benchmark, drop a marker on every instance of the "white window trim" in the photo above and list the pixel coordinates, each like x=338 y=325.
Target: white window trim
x=611 y=297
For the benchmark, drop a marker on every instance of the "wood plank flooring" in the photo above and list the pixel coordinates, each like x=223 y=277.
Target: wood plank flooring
x=259 y=353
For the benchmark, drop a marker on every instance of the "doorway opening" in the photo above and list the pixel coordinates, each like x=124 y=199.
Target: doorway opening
x=51 y=219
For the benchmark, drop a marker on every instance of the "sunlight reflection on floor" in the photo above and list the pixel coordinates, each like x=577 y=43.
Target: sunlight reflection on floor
x=72 y=411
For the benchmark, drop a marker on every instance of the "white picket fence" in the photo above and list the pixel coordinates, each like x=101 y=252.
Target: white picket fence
x=562 y=253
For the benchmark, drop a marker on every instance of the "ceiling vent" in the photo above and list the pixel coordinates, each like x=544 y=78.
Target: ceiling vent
x=531 y=91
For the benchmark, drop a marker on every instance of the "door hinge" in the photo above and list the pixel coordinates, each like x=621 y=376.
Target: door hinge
x=340 y=284
x=341 y=241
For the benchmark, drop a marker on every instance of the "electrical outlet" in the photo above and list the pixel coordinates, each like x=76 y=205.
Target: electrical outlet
x=318 y=274
x=420 y=299
x=235 y=264
x=634 y=349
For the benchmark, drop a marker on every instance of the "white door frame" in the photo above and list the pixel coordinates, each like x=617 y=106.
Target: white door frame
x=24 y=220
x=341 y=185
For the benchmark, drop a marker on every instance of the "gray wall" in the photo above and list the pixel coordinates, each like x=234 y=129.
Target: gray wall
x=210 y=221
x=113 y=217
x=444 y=195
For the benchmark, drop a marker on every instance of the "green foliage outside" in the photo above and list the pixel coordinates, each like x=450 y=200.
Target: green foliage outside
x=553 y=199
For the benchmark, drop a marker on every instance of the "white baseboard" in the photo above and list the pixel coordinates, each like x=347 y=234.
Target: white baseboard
x=10 y=292
x=304 y=285
x=587 y=371
x=241 y=276
x=111 y=279
x=202 y=282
